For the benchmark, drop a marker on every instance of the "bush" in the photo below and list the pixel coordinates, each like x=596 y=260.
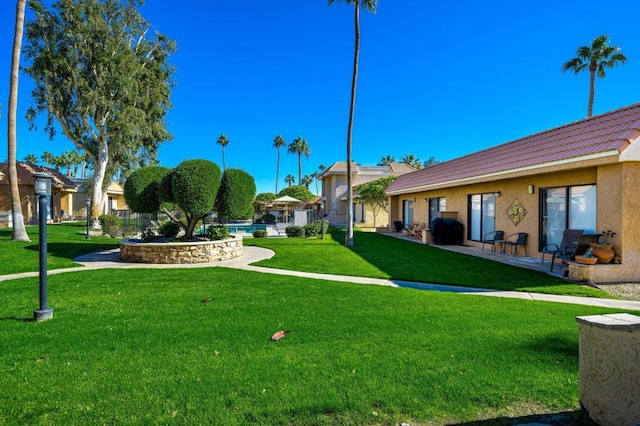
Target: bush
x=142 y=189
x=299 y=192
x=322 y=223
x=259 y=233
x=217 y=232
x=268 y=218
x=295 y=231
x=311 y=230
x=169 y=229
x=236 y=194
x=110 y=224
x=194 y=186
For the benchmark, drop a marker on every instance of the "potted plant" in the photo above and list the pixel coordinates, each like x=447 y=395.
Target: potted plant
x=603 y=249
x=587 y=258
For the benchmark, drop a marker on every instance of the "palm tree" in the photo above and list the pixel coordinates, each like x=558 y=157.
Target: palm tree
x=369 y=5
x=412 y=161
x=385 y=161
x=306 y=181
x=223 y=141
x=595 y=58
x=76 y=159
x=289 y=179
x=31 y=158
x=317 y=174
x=278 y=142
x=299 y=146
x=48 y=158
x=19 y=232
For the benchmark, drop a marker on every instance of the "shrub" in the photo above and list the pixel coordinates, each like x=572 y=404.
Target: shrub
x=110 y=224
x=169 y=229
x=295 y=231
x=322 y=223
x=194 y=186
x=142 y=189
x=259 y=233
x=311 y=230
x=217 y=232
x=299 y=192
x=236 y=195
x=268 y=218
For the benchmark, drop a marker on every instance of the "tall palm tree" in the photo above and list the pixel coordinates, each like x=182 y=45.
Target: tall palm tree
x=385 y=161
x=316 y=175
x=289 y=179
x=223 y=141
x=299 y=146
x=278 y=142
x=31 y=158
x=76 y=159
x=19 y=232
x=595 y=58
x=412 y=161
x=48 y=158
x=306 y=181
x=369 y=5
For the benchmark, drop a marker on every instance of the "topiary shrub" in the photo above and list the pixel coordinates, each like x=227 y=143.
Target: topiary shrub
x=259 y=233
x=169 y=229
x=295 y=231
x=236 y=194
x=217 y=232
x=110 y=224
x=142 y=189
x=268 y=218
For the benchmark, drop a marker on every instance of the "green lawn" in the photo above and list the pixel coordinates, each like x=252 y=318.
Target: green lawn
x=139 y=347
x=379 y=256
x=64 y=242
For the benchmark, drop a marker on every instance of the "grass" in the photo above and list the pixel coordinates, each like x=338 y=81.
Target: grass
x=64 y=242
x=378 y=256
x=139 y=347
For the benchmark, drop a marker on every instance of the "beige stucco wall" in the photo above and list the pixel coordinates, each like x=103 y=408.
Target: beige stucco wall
x=609 y=360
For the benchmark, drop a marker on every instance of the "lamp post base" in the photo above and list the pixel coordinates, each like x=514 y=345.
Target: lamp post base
x=42 y=314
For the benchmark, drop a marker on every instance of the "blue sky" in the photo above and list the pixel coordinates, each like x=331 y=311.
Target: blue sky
x=439 y=79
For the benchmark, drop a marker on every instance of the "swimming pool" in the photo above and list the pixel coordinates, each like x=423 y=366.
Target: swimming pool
x=248 y=229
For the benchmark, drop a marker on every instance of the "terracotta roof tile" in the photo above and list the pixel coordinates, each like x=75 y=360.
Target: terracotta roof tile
x=612 y=131
x=26 y=170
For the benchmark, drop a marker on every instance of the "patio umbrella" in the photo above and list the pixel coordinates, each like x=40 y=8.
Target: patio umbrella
x=286 y=200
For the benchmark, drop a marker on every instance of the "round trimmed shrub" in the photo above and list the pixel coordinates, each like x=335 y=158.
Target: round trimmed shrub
x=310 y=230
x=194 y=186
x=295 y=231
x=169 y=229
x=218 y=232
x=259 y=233
x=236 y=194
x=142 y=189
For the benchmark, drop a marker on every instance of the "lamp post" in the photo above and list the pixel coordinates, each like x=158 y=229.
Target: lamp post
x=42 y=184
x=322 y=219
x=88 y=202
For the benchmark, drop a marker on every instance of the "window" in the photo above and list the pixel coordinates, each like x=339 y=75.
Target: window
x=566 y=207
x=407 y=213
x=436 y=205
x=482 y=215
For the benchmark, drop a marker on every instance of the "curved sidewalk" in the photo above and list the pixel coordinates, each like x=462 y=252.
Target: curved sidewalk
x=111 y=259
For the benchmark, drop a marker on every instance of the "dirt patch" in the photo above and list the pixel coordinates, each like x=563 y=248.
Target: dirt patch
x=627 y=291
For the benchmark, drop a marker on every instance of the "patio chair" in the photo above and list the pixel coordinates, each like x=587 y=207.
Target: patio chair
x=581 y=247
x=515 y=240
x=567 y=247
x=493 y=238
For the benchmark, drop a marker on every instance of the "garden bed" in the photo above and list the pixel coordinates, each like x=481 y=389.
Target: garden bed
x=180 y=252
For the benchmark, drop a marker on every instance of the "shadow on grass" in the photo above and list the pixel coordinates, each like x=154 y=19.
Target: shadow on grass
x=554 y=344
x=565 y=418
x=4 y=319
x=70 y=251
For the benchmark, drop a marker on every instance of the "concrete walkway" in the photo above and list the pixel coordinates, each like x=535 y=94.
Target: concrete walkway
x=111 y=259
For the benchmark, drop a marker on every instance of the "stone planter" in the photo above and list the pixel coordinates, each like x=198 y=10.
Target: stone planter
x=180 y=252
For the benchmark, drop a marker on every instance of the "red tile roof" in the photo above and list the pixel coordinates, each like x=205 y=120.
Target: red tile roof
x=26 y=170
x=606 y=133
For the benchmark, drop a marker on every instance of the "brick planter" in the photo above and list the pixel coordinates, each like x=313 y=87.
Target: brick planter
x=180 y=252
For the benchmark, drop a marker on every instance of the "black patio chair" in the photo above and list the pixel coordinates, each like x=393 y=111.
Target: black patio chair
x=583 y=244
x=492 y=238
x=515 y=240
x=566 y=249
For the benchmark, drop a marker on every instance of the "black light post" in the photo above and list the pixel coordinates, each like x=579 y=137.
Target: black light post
x=322 y=219
x=88 y=217
x=42 y=183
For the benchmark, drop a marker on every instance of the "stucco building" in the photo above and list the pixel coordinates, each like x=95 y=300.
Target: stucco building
x=334 y=191
x=583 y=175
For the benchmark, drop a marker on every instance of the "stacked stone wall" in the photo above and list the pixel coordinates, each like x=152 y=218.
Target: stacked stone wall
x=180 y=252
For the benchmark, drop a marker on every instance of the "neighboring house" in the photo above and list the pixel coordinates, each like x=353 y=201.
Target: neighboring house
x=62 y=189
x=334 y=191
x=583 y=175
x=114 y=201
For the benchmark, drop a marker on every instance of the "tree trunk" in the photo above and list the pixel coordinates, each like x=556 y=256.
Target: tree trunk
x=592 y=91
x=19 y=233
x=348 y=237
x=99 y=172
x=277 y=170
x=299 y=168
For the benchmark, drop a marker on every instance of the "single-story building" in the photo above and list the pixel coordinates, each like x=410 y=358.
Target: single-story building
x=582 y=175
x=334 y=192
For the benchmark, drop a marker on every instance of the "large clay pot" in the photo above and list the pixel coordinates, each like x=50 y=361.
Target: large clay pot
x=603 y=252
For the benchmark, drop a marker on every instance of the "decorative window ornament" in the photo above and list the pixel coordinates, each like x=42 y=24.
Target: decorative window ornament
x=516 y=212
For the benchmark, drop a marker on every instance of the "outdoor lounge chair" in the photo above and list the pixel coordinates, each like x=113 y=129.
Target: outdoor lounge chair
x=567 y=247
x=515 y=240
x=492 y=238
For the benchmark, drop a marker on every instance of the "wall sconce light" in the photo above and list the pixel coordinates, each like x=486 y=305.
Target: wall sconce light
x=530 y=189
x=497 y=193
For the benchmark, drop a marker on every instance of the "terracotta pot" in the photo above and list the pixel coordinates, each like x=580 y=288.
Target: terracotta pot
x=586 y=260
x=603 y=252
